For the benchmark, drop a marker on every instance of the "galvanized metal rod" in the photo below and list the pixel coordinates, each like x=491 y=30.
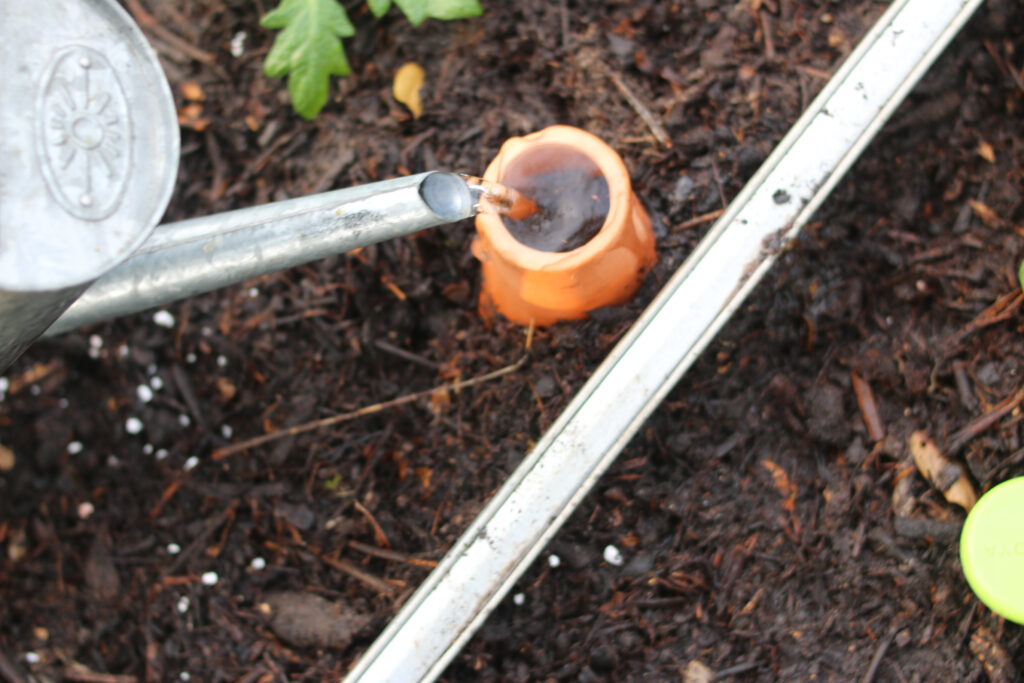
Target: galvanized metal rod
x=183 y=259
x=544 y=490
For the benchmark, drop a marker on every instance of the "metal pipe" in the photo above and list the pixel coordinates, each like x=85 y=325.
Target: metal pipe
x=553 y=479
x=183 y=259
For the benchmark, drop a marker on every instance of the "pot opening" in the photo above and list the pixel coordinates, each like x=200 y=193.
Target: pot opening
x=570 y=192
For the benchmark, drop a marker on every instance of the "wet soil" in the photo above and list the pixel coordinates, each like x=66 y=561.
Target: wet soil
x=771 y=523
x=571 y=196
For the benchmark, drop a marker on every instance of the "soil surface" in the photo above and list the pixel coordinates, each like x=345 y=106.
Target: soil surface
x=771 y=521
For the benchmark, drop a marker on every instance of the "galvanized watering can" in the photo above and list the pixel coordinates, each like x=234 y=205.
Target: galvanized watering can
x=88 y=159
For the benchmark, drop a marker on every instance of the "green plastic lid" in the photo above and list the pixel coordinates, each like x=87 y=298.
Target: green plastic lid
x=992 y=549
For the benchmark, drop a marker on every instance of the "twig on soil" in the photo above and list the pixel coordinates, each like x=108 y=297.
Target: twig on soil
x=222 y=453
x=346 y=567
x=78 y=672
x=736 y=670
x=211 y=526
x=392 y=555
x=880 y=653
x=648 y=118
x=406 y=355
x=767 y=29
x=378 y=534
x=563 y=11
x=1003 y=308
x=699 y=220
x=868 y=407
x=976 y=426
x=151 y=25
x=718 y=182
x=9 y=672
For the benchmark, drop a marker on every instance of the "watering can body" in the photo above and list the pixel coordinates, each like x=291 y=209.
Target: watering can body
x=88 y=155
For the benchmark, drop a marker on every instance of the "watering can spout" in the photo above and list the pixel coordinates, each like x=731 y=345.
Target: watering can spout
x=81 y=194
x=191 y=257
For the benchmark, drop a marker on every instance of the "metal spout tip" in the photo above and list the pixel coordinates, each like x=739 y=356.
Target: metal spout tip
x=448 y=196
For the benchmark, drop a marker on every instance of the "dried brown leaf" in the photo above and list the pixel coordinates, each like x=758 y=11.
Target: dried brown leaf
x=986 y=214
x=945 y=475
x=407 y=85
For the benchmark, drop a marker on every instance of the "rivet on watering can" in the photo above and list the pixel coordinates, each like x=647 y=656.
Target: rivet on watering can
x=529 y=285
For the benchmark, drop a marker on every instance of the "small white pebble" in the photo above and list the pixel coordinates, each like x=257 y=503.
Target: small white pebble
x=63 y=403
x=612 y=555
x=210 y=578
x=206 y=331
x=151 y=369
x=238 y=47
x=254 y=292
x=184 y=420
x=35 y=390
x=190 y=358
x=133 y=425
x=554 y=560
x=258 y=564
x=183 y=604
x=32 y=658
x=161 y=453
x=147 y=449
x=75 y=447
x=163 y=319
x=156 y=383
x=144 y=392
x=95 y=341
x=518 y=598
x=191 y=463
x=5 y=384
x=93 y=353
x=222 y=361
x=226 y=431
x=184 y=676
x=112 y=461
x=85 y=510
x=173 y=548
x=123 y=351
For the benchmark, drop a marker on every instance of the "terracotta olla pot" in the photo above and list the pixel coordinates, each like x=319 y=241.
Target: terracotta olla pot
x=528 y=285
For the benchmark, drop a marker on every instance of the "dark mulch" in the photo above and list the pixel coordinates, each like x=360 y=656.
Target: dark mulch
x=767 y=533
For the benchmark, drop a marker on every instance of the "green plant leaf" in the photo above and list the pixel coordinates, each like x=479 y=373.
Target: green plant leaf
x=308 y=49
x=1020 y=275
x=417 y=11
x=379 y=7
